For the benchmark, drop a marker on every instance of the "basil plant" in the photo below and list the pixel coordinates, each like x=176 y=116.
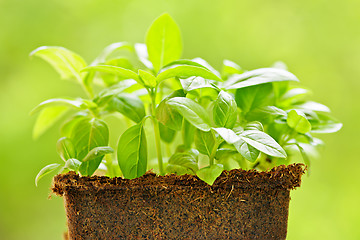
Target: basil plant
x=200 y=121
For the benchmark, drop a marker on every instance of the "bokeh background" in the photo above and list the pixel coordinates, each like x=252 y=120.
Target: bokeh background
x=318 y=40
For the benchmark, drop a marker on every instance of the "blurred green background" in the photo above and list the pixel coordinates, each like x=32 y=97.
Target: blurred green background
x=318 y=40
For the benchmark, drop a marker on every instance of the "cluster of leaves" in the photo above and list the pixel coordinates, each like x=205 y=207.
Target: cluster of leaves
x=228 y=119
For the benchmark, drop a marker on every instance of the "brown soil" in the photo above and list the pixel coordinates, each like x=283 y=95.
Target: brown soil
x=240 y=205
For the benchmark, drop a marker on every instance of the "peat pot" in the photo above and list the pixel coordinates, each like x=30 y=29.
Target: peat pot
x=240 y=205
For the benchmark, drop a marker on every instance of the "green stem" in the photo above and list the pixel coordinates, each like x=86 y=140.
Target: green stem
x=157 y=133
x=168 y=150
x=109 y=166
x=213 y=153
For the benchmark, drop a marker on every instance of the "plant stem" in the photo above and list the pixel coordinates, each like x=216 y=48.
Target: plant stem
x=168 y=150
x=157 y=133
x=213 y=153
x=108 y=163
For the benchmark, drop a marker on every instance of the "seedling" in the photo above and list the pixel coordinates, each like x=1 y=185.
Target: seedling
x=230 y=119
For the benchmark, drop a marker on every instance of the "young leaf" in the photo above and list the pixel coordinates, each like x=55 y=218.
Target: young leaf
x=250 y=98
x=87 y=134
x=182 y=163
x=48 y=118
x=68 y=127
x=132 y=152
x=230 y=68
x=292 y=96
x=65 y=148
x=166 y=134
x=163 y=41
x=266 y=112
x=225 y=110
x=119 y=71
x=73 y=164
x=304 y=155
x=142 y=54
x=313 y=106
x=46 y=170
x=185 y=71
x=168 y=116
x=246 y=150
x=193 y=83
x=211 y=173
x=205 y=142
x=259 y=76
x=228 y=135
x=128 y=105
x=255 y=125
x=263 y=142
x=75 y=103
x=97 y=152
x=108 y=93
x=65 y=62
x=111 y=49
x=297 y=121
x=325 y=124
x=148 y=79
x=109 y=78
x=191 y=111
x=204 y=63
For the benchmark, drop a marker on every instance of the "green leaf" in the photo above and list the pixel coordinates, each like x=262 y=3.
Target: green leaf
x=108 y=93
x=325 y=124
x=48 y=118
x=110 y=50
x=205 y=142
x=163 y=41
x=67 y=63
x=228 y=135
x=225 y=110
x=46 y=170
x=259 y=76
x=250 y=98
x=204 y=63
x=148 y=79
x=292 y=96
x=211 y=173
x=67 y=128
x=97 y=152
x=246 y=150
x=167 y=115
x=313 y=106
x=143 y=56
x=119 y=71
x=166 y=134
x=87 y=134
x=75 y=103
x=263 y=142
x=109 y=78
x=192 y=112
x=265 y=112
x=297 y=121
x=132 y=152
x=65 y=148
x=188 y=133
x=73 y=164
x=255 y=125
x=182 y=163
x=304 y=155
x=230 y=68
x=128 y=105
x=193 y=83
x=185 y=71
